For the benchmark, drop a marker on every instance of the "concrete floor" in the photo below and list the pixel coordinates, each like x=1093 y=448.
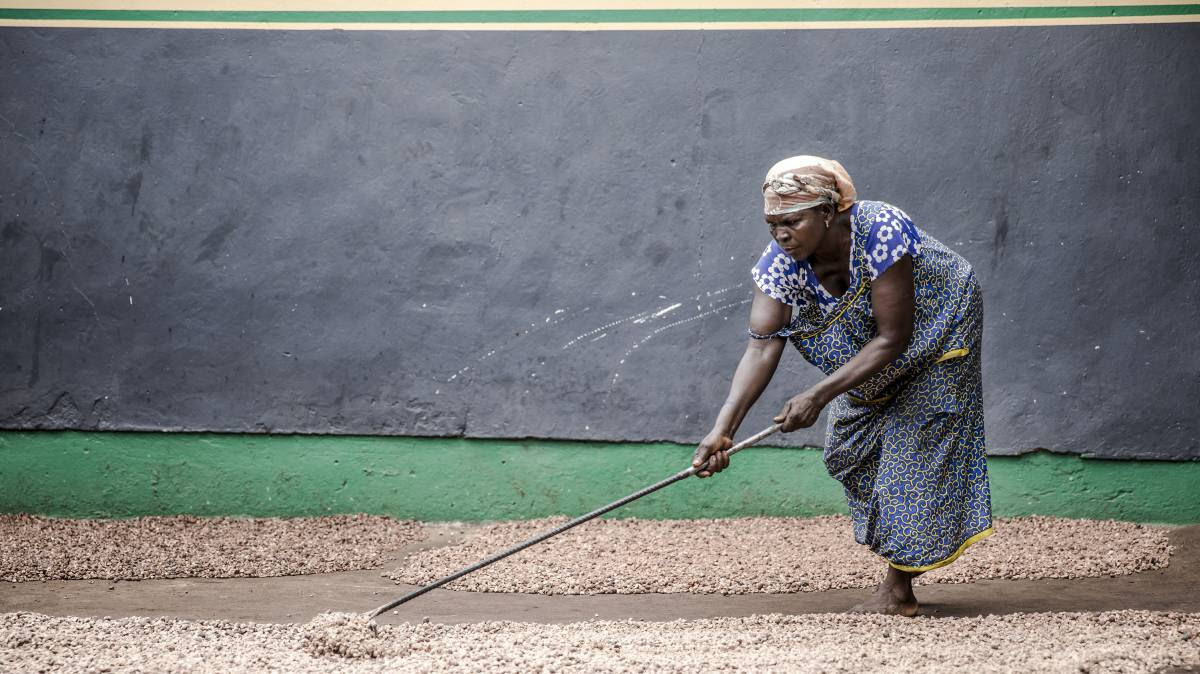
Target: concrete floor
x=299 y=598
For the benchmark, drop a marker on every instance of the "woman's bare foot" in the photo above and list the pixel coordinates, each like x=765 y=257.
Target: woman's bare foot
x=894 y=596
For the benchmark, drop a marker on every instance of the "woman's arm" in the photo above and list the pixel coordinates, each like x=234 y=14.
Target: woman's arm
x=753 y=373
x=892 y=302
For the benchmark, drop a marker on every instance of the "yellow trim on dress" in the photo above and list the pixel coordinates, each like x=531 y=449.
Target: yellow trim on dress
x=962 y=548
x=956 y=353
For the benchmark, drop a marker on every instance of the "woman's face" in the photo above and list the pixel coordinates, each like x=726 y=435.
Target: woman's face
x=799 y=233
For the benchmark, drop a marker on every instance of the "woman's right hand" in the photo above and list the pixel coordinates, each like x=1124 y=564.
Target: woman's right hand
x=713 y=447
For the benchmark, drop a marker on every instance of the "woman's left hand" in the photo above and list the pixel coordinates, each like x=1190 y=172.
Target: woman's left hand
x=800 y=412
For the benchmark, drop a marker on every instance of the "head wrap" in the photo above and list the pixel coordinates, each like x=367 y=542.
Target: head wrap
x=805 y=181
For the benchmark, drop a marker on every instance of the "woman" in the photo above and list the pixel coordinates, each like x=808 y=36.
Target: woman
x=894 y=318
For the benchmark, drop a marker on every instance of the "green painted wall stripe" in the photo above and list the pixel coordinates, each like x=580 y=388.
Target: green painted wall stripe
x=80 y=474
x=616 y=16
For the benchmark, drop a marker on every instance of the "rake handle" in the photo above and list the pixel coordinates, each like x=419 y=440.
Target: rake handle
x=692 y=470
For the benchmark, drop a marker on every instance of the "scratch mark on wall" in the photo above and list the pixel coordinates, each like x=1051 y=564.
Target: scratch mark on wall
x=602 y=328
x=95 y=314
x=713 y=293
x=657 y=331
x=559 y=316
x=668 y=310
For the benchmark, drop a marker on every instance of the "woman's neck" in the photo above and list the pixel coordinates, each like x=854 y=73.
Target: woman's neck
x=834 y=248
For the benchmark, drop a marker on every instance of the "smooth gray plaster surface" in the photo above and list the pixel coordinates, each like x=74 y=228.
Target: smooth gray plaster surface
x=549 y=234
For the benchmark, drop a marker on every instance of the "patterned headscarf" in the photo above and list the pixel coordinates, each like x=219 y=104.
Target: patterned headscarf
x=805 y=181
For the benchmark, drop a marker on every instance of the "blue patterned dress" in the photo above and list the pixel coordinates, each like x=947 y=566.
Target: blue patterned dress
x=907 y=444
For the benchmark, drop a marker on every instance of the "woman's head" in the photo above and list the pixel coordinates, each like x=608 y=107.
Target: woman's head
x=799 y=233
x=805 y=181
x=800 y=197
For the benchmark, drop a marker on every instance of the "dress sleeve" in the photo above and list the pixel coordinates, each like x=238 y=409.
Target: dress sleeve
x=780 y=278
x=892 y=236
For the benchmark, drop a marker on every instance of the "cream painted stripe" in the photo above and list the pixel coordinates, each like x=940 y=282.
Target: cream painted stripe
x=547 y=5
x=814 y=25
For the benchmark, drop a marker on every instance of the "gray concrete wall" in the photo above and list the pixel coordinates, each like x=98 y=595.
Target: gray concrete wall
x=549 y=234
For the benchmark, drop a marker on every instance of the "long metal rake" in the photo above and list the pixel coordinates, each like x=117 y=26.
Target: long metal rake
x=692 y=470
